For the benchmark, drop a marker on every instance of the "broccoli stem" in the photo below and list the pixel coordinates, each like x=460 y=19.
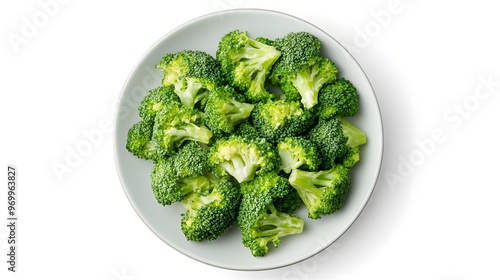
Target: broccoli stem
x=189 y=91
x=308 y=82
x=240 y=168
x=275 y=224
x=190 y=132
x=355 y=136
x=198 y=184
x=237 y=111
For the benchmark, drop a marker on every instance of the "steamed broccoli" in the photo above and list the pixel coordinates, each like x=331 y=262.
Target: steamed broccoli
x=155 y=101
x=187 y=171
x=225 y=108
x=209 y=216
x=140 y=143
x=298 y=152
x=258 y=219
x=338 y=98
x=323 y=192
x=175 y=124
x=281 y=118
x=192 y=73
x=334 y=138
x=246 y=63
x=243 y=158
x=301 y=71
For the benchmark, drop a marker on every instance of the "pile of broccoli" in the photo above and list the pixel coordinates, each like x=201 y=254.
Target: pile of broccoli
x=248 y=136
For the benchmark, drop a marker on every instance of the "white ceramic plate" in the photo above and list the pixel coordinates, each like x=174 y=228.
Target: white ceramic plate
x=227 y=251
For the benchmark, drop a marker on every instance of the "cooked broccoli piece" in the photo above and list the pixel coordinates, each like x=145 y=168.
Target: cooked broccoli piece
x=193 y=74
x=156 y=100
x=301 y=71
x=281 y=118
x=351 y=157
x=243 y=158
x=246 y=130
x=187 y=171
x=246 y=63
x=323 y=192
x=258 y=219
x=298 y=152
x=209 y=216
x=140 y=144
x=333 y=138
x=225 y=108
x=338 y=98
x=175 y=124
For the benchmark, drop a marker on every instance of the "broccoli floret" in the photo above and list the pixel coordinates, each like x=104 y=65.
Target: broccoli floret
x=246 y=63
x=187 y=171
x=207 y=217
x=258 y=219
x=323 y=192
x=140 y=144
x=193 y=74
x=281 y=118
x=333 y=138
x=351 y=157
x=246 y=130
x=298 y=152
x=301 y=71
x=175 y=124
x=225 y=108
x=243 y=158
x=338 y=98
x=156 y=100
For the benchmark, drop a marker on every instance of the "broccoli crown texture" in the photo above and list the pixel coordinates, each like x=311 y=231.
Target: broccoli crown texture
x=323 y=192
x=246 y=63
x=258 y=219
x=243 y=158
x=193 y=74
x=140 y=144
x=187 y=171
x=333 y=138
x=281 y=118
x=175 y=124
x=209 y=216
x=155 y=101
x=298 y=152
x=225 y=108
x=338 y=98
x=301 y=71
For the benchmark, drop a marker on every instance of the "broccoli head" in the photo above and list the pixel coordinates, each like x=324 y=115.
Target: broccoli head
x=225 y=108
x=243 y=158
x=209 y=216
x=186 y=172
x=246 y=63
x=281 y=118
x=259 y=220
x=155 y=101
x=338 y=98
x=193 y=74
x=175 y=124
x=140 y=143
x=334 y=138
x=301 y=71
x=298 y=152
x=323 y=192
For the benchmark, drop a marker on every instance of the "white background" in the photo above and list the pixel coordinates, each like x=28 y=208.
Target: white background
x=434 y=213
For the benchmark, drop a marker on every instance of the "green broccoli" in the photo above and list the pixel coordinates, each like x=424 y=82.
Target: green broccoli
x=338 y=98
x=156 y=100
x=193 y=74
x=281 y=118
x=246 y=63
x=209 y=216
x=140 y=143
x=298 y=152
x=301 y=71
x=243 y=158
x=334 y=138
x=187 y=171
x=290 y=202
x=258 y=219
x=175 y=124
x=323 y=192
x=225 y=108
x=246 y=130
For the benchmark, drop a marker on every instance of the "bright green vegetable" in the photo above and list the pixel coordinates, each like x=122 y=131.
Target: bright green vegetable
x=338 y=98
